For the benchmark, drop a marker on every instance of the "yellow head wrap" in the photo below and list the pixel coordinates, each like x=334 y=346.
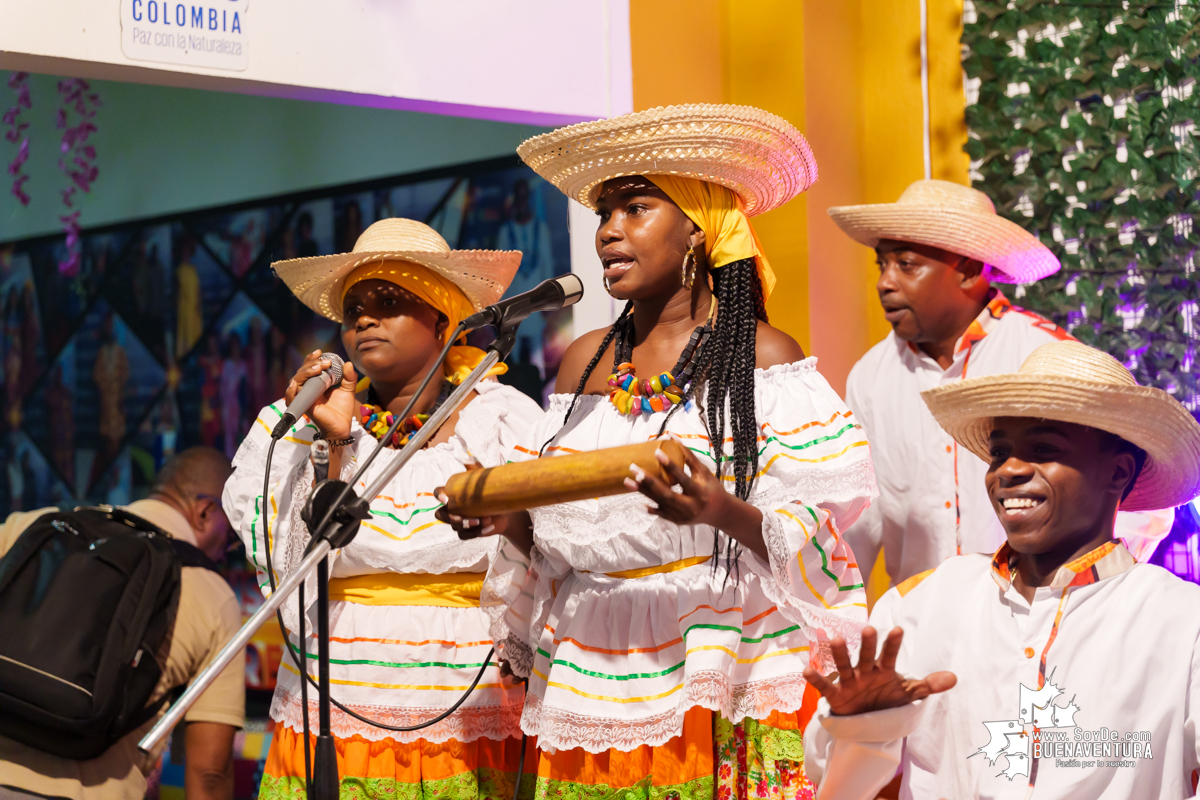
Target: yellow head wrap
x=438 y=292
x=720 y=213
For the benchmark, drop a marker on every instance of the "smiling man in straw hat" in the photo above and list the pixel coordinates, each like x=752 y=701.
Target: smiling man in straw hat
x=1059 y=662
x=940 y=248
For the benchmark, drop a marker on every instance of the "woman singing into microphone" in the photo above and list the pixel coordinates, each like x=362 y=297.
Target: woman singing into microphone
x=407 y=633
x=665 y=641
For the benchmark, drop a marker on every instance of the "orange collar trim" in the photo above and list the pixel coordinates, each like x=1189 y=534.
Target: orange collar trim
x=997 y=306
x=1109 y=559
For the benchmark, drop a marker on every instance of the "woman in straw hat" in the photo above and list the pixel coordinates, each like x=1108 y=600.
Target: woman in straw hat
x=665 y=645
x=407 y=632
x=1058 y=662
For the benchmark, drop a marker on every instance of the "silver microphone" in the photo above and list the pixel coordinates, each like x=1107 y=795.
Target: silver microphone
x=313 y=388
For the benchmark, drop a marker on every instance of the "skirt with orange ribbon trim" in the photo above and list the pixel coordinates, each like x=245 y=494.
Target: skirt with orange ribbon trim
x=484 y=769
x=440 y=613
x=713 y=759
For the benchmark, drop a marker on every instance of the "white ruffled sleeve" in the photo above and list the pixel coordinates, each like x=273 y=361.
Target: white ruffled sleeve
x=493 y=423
x=815 y=479
x=289 y=485
x=517 y=589
x=853 y=757
x=517 y=596
x=501 y=417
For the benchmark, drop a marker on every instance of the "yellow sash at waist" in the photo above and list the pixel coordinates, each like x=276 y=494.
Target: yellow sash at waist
x=452 y=590
x=674 y=566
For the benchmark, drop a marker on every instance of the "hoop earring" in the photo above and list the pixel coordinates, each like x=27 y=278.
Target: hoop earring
x=606 y=289
x=689 y=268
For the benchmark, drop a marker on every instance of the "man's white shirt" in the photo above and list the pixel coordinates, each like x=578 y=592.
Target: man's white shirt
x=1099 y=675
x=932 y=500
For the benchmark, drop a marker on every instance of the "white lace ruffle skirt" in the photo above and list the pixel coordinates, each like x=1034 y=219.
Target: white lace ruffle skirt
x=620 y=661
x=403 y=665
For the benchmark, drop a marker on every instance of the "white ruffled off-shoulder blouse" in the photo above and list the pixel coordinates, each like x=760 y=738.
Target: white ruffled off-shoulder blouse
x=400 y=664
x=622 y=622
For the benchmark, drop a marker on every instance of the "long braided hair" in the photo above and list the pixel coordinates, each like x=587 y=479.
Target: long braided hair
x=726 y=365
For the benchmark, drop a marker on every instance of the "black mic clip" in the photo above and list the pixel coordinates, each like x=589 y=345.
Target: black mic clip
x=336 y=525
x=506 y=339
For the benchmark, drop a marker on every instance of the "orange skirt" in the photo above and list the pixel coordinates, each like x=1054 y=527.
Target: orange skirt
x=484 y=769
x=712 y=759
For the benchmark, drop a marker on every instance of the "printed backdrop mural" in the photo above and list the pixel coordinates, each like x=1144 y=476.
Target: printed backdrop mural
x=174 y=332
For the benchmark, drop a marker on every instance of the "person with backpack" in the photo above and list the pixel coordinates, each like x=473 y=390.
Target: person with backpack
x=68 y=579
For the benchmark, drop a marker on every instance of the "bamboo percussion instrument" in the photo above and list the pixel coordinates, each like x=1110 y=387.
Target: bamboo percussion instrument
x=545 y=481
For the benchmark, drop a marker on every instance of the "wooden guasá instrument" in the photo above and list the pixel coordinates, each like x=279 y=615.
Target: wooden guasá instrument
x=562 y=479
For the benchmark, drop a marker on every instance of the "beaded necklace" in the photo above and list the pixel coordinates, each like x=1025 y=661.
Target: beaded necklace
x=377 y=420
x=659 y=393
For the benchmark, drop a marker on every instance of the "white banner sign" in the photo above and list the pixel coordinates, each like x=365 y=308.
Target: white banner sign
x=535 y=62
x=208 y=34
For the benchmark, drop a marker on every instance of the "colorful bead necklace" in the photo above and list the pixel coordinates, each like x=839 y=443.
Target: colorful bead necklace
x=377 y=420
x=631 y=396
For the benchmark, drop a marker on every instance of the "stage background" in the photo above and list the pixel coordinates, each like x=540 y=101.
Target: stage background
x=175 y=331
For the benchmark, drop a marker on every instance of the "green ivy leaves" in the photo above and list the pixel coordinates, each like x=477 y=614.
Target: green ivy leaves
x=1085 y=133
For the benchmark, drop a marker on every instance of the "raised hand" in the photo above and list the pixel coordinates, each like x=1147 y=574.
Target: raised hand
x=333 y=410
x=874 y=684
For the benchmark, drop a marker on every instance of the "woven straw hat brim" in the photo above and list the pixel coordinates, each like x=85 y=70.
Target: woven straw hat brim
x=758 y=155
x=989 y=238
x=1146 y=417
x=317 y=281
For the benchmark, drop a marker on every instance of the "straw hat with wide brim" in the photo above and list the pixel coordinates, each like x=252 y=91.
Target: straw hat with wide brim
x=483 y=275
x=759 y=155
x=955 y=218
x=1071 y=382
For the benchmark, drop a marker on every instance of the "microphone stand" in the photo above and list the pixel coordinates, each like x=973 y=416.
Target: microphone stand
x=338 y=524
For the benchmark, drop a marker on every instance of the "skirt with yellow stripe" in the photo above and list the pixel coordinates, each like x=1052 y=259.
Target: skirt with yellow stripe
x=403 y=649
x=617 y=642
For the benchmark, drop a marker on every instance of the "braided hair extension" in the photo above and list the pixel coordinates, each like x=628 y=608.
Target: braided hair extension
x=727 y=366
x=621 y=321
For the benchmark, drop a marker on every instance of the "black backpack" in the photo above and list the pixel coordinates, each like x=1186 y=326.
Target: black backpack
x=87 y=604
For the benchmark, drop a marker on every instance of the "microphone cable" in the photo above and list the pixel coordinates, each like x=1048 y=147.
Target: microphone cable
x=298 y=660
x=301 y=661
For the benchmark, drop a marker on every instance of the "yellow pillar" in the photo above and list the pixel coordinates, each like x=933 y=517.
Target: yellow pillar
x=764 y=67
x=848 y=75
x=734 y=51
x=864 y=120
x=676 y=48
x=836 y=279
